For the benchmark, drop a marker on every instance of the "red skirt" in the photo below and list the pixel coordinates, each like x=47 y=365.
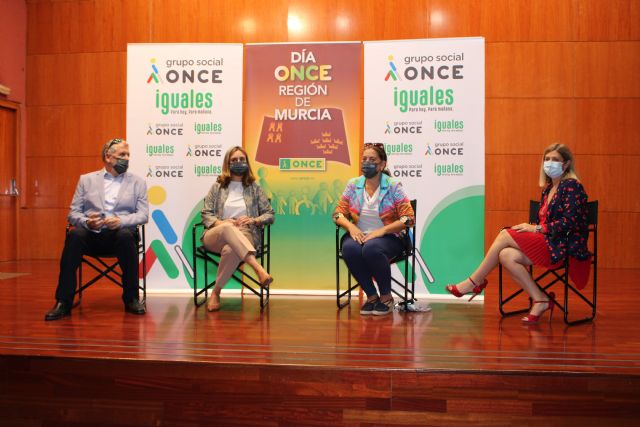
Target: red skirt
x=534 y=246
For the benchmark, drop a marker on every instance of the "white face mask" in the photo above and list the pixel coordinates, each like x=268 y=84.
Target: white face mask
x=553 y=169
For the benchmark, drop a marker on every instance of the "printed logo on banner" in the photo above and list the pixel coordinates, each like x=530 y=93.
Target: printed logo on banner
x=162 y=150
x=423 y=100
x=445 y=149
x=448 y=125
x=301 y=164
x=404 y=128
x=426 y=67
x=420 y=71
x=291 y=139
x=203 y=150
x=165 y=129
x=206 y=71
x=448 y=169
x=399 y=148
x=393 y=72
x=407 y=171
x=157 y=249
x=155 y=74
x=206 y=169
x=207 y=128
x=165 y=171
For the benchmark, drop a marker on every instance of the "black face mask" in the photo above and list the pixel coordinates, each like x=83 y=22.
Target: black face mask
x=369 y=170
x=121 y=166
x=238 y=168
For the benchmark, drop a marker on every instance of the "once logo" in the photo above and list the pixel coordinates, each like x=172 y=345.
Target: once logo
x=407 y=173
x=165 y=172
x=302 y=164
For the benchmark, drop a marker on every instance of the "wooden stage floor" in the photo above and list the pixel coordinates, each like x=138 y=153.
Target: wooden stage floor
x=458 y=363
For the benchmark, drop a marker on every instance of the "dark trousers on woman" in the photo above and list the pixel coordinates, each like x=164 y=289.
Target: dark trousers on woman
x=122 y=243
x=371 y=261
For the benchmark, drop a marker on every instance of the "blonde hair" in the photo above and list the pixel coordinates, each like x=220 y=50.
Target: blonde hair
x=225 y=177
x=567 y=156
x=109 y=147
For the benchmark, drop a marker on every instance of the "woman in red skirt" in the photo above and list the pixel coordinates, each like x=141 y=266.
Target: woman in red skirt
x=562 y=231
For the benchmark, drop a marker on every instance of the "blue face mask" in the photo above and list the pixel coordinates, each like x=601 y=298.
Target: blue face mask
x=369 y=170
x=238 y=168
x=553 y=169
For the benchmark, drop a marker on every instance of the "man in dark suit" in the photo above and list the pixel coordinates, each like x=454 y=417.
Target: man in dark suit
x=106 y=208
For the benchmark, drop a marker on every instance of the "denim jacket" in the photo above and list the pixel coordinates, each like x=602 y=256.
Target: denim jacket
x=258 y=207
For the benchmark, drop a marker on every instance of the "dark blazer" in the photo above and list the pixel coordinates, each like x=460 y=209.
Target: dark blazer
x=566 y=222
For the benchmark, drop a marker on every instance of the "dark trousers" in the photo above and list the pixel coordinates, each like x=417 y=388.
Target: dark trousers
x=371 y=261
x=123 y=243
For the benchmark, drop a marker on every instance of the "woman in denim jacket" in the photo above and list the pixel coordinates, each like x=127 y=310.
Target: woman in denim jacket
x=234 y=210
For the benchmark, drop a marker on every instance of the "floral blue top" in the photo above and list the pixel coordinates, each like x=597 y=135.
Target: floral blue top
x=565 y=225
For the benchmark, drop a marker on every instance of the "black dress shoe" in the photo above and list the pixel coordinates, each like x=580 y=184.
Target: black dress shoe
x=58 y=311
x=135 y=307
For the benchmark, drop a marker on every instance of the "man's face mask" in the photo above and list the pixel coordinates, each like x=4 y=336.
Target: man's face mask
x=369 y=169
x=121 y=166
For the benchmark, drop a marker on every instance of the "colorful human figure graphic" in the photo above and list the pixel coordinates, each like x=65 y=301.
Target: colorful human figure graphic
x=293 y=203
x=393 y=73
x=262 y=181
x=304 y=201
x=280 y=203
x=337 y=189
x=388 y=129
x=155 y=74
x=157 y=250
x=322 y=198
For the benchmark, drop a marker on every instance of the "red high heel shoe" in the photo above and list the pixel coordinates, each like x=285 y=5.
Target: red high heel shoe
x=453 y=289
x=532 y=319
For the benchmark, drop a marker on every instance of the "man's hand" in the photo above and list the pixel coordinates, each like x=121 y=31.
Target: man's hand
x=112 y=223
x=95 y=221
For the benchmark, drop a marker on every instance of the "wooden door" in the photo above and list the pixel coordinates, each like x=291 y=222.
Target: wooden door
x=9 y=190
